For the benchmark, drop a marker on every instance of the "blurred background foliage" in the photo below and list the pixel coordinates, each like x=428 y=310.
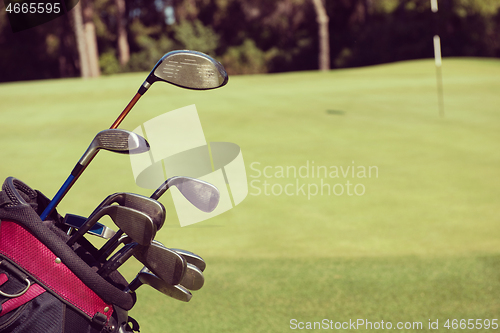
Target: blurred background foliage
x=258 y=36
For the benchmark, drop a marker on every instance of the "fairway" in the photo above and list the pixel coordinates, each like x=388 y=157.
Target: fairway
x=363 y=203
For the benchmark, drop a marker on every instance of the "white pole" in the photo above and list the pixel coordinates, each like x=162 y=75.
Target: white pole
x=438 y=62
x=437 y=51
x=434 y=6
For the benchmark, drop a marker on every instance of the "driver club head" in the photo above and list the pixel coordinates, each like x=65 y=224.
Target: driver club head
x=201 y=194
x=188 y=69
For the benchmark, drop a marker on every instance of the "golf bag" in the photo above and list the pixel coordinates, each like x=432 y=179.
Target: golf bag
x=47 y=286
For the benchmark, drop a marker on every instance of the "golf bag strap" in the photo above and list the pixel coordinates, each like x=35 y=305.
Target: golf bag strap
x=20 y=246
x=32 y=291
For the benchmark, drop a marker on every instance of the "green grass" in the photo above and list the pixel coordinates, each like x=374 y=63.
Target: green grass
x=421 y=243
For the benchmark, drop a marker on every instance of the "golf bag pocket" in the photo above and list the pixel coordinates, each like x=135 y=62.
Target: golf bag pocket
x=25 y=305
x=45 y=286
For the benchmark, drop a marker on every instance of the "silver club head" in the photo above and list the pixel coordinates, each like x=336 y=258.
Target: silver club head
x=178 y=292
x=192 y=258
x=165 y=263
x=115 y=140
x=137 y=225
x=193 y=279
x=201 y=194
x=188 y=69
x=151 y=207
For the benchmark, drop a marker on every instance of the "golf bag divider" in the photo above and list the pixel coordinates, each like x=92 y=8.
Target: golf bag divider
x=41 y=277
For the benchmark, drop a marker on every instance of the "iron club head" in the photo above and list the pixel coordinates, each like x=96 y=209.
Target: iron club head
x=137 y=225
x=151 y=207
x=145 y=276
x=201 y=194
x=192 y=258
x=193 y=279
x=165 y=263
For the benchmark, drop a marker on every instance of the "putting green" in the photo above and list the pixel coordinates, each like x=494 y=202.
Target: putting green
x=416 y=239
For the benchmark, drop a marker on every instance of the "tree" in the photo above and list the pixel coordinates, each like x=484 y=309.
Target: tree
x=79 y=29
x=90 y=37
x=122 y=42
x=323 y=35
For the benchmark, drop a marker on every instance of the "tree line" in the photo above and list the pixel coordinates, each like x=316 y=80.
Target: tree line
x=258 y=36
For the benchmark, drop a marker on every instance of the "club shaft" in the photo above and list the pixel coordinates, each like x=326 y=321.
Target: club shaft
x=125 y=112
x=117 y=260
x=70 y=181
x=136 y=283
x=109 y=246
x=58 y=197
x=157 y=194
x=91 y=221
x=160 y=191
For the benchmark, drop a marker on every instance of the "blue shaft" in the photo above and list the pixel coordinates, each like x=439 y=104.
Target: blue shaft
x=58 y=197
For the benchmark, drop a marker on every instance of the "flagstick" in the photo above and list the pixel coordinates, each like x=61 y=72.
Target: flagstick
x=439 y=76
x=438 y=61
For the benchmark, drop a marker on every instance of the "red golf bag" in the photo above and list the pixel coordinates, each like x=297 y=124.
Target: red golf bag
x=47 y=286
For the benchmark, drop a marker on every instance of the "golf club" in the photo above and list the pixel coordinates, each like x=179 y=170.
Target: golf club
x=115 y=140
x=167 y=264
x=150 y=207
x=137 y=225
x=183 y=68
x=146 y=277
x=201 y=194
x=189 y=187
x=193 y=279
x=118 y=259
x=192 y=258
